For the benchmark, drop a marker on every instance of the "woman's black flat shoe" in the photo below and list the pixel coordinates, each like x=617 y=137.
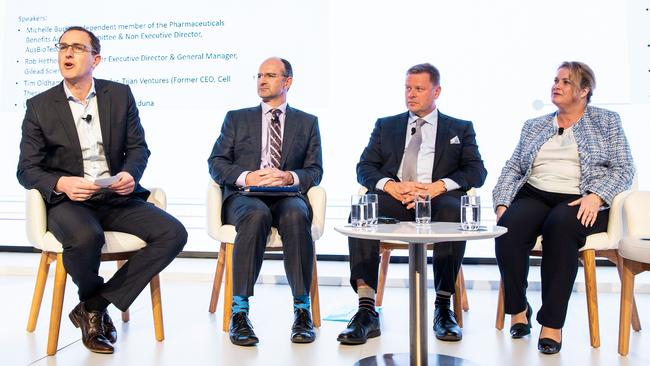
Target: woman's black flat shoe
x=548 y=346
x=520 y=330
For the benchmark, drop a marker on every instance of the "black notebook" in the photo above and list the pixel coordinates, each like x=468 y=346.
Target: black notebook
x=271 y=191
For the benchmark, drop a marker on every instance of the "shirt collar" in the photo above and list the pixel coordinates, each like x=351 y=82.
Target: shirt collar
x=267 y=108
x=69 y=96
x=431 y=118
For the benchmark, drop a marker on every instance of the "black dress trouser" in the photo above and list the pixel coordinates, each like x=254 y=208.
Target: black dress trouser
x=447 y=256
x=253 y=218
x=534 y=212
x=80 y=226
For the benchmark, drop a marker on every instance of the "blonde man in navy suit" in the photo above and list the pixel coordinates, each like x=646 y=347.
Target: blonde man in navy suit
x=271 y=144
x=445 y=164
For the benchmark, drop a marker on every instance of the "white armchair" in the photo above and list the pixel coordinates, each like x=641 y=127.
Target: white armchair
x=118 y=247
x=225 y=234
x=634 y=252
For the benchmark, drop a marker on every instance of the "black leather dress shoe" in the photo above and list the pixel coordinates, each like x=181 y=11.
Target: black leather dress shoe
x=92 y=328
x=109 y=328
x=520 y=330
x=363 y=325
x=241 y=330
x=445 y=326
x=302 y=330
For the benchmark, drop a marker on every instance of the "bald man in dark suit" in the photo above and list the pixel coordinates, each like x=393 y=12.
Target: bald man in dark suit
x=271 y=144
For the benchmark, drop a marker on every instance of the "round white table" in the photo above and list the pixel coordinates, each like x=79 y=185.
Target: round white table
x=418 y=236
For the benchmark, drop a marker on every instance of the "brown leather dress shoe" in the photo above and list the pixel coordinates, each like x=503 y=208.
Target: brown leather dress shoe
x=92 y=328
x=109 y=328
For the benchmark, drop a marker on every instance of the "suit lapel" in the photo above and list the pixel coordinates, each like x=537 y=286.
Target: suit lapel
x=254 y=122
x=67 y=120
x=399 y=138
x=291 y=125
x=442 y=139
x=103 y=96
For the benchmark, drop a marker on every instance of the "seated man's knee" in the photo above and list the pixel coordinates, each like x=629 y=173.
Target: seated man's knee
x=84 y=237
x=259 y=216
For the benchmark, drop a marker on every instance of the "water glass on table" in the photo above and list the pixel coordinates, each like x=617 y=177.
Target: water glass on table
x=470 y=213
x=422 y=209
x=358 y=211
x=372 y=201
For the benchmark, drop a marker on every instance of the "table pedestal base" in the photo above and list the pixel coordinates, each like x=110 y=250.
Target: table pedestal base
x=391 y=359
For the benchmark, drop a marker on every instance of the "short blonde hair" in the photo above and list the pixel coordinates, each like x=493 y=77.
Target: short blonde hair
x=581 y=75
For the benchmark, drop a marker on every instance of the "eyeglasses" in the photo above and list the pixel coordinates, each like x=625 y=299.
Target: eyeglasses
x=76 y=48
x=269 y=75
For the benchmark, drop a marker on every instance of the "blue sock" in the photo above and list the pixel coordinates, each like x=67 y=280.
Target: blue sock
x=301 y=302
x=239 y=304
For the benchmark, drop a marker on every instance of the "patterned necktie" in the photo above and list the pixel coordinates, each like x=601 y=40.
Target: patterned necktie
x=276 y=138
x=410 y=166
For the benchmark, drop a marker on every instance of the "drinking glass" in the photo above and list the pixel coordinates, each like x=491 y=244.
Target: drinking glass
x=422 y=209
x=470 y=212
x=373 y=208
x=358 y=211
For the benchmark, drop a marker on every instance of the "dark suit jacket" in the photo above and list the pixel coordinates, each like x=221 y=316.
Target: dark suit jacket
x=459 y=162
x=239 y=148
x=50 y=148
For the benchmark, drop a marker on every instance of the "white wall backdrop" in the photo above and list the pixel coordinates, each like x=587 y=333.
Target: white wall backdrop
x=188 y=63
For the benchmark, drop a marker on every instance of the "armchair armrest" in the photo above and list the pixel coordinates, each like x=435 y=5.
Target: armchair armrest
x=318 y=200
x=213 y=214
x=35 y=218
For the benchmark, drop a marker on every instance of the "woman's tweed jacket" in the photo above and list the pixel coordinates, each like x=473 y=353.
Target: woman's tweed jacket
x=606 y=166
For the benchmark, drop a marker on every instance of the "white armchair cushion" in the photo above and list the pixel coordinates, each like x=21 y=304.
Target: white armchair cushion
x=635 y=248
x=637 y=215
x=116 y=242
x=226 y=233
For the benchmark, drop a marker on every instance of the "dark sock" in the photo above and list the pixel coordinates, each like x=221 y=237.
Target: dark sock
x=443 y=301
x=96 y=303
x=368 y=304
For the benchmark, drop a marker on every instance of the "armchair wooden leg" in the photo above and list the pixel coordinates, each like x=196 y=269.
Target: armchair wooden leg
x=458 y=301
x=227 y=295
x=589 y=260
x=39 y=288
x=60 y=277
x=463 y=289
x=156 y=307
x=315 y=299
x=627 y=291
x=501 y=315
x=383 y=273
x=125 y=314
x=618 y=260
x=218 y=279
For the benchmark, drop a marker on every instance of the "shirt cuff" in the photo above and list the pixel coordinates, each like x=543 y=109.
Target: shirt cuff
x=296 y=181
x=450 y=185
x=241 y=181
x=382 y=182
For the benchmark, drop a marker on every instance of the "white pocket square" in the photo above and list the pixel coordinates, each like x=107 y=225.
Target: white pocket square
x=454 y=140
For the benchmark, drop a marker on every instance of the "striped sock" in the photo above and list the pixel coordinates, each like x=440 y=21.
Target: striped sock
x=367 y=299
x=443 y=300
